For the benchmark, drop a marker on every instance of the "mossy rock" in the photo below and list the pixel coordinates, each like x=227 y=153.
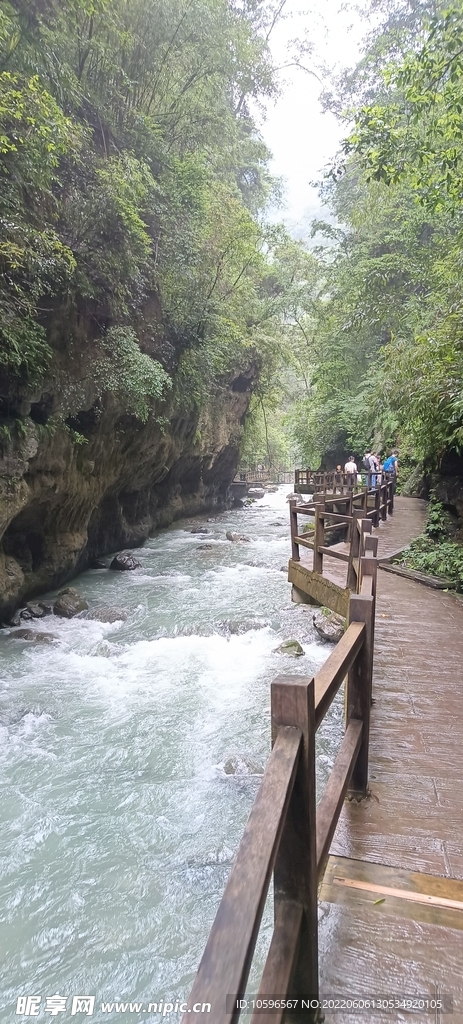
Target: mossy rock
x=291 y=647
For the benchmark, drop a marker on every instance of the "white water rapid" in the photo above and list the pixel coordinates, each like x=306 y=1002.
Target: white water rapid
x=119 y=822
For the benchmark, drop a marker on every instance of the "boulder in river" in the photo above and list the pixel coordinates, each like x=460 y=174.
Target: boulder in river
x=236 y=537
x=200 y=529
x=37 y=610
x=242 y=766
x=69 y=603
x=33 y=637
x=329 y=625
x=124 y=562
x=205 y=547
x=98 y=564
x=256 y=492
x=107 y=613
x=291 y=647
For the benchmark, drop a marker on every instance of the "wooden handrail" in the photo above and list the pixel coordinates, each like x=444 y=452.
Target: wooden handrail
x=286 y=832
x=329 y=678
x=227 y=958
x=329 y=808
x=281 y=958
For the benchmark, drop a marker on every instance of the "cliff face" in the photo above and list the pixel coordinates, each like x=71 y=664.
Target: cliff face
x=63 y=501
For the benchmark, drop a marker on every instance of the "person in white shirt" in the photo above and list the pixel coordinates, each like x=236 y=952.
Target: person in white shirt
x=351 y=469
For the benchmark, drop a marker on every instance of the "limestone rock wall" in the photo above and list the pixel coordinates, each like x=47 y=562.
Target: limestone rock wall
x=63 y=503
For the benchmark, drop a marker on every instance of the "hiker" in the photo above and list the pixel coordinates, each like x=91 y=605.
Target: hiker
x=351 y=470
x=391 y=467
x=371 y=465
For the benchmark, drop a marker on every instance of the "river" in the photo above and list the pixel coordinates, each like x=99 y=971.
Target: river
x=119 y=821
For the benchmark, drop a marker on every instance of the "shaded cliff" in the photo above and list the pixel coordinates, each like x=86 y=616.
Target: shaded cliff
x=75 y=489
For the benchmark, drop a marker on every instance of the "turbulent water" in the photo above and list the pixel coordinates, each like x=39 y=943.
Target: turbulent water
x=119 y=820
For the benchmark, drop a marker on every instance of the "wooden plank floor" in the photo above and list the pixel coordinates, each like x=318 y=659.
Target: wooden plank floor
x=408 y=834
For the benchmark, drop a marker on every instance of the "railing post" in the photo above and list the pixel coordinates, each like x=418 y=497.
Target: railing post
x=295 y=874
x=377 y=504
x=390 y=489
x=319 y=536
x=354 y=549
x=359 y=687
x=293 y=525
x=383 y=502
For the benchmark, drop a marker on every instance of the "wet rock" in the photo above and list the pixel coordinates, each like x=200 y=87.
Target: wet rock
x=236 y=628
x=256 y=492
x=254 y=565
x=47 y=607
x=200 y=529
x=300 y=499
x=32 y=637
x=238 y=503
x=98 y=564
x=69 y=603
x=25 y=615
x=291 y=647
x=242 y=766
x=236 y=537
x=283 y=568
x=37 y=610
x=272 y=488
x=205 y=547
x=107 y=613
x=15 y=619
x=330 y=626
x=124 y=562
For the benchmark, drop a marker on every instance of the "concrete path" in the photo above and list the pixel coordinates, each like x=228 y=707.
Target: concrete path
x=391 y=906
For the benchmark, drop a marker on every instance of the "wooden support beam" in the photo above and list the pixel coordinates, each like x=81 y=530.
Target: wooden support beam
x=226 y=960
x=329 y=678
x=330 y=805
x=295 y=876
x=359 y=686
x=319 y=537
x=318 y=588
x=281 y=959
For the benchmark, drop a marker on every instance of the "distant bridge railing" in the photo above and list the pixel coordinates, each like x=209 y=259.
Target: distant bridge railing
x=332 y=512
x=275 y=475
x=287 y=834
x=310 y=481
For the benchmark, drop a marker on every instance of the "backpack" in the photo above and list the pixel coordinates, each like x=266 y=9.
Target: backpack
x=366 y=463
x=389 y=464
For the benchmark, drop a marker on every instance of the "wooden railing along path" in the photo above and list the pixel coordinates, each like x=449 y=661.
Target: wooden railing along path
x=287 y=834
x=340 y=512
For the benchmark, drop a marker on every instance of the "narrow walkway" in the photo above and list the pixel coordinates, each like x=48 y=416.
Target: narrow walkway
x=392 y=897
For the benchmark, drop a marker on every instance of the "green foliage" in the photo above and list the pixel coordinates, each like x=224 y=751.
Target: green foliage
x=134 y=377
x=133 y=177
x=435 y=552
x=438 y=558
x=437 y=519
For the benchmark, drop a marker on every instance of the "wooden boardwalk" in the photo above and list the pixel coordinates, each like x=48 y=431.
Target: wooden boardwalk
x=391 y=903
x=387 y=926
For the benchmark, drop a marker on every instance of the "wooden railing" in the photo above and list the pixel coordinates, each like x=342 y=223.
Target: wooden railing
x=286 y=833
x=276 y=474
x=308 y=480
x=332 y=512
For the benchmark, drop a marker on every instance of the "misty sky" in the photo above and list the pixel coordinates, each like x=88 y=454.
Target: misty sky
x=301 y=137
